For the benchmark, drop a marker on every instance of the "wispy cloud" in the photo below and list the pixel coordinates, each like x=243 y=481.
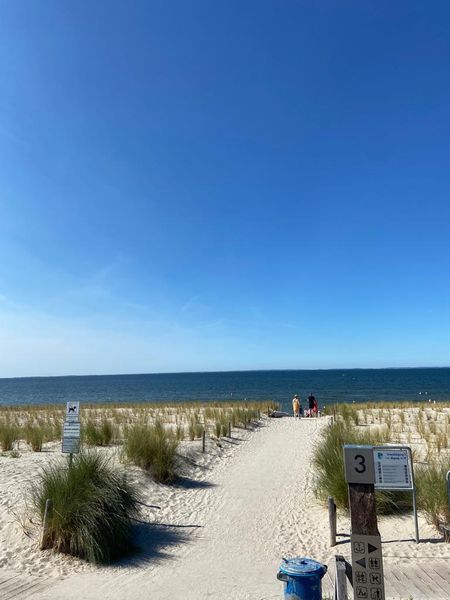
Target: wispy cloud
x=13 y=137
x=100 y=284
x=191 y=303
x=286 y=325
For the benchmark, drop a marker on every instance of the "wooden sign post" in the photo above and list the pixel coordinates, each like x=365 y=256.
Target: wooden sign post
x=367 y=561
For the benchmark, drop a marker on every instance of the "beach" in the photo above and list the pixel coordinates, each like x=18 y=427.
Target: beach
x=220 y=532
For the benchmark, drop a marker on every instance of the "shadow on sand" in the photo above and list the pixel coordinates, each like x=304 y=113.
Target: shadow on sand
x=191 y=484
x=153 y=541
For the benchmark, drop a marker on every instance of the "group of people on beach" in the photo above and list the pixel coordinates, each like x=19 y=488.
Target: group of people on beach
x=311 y=411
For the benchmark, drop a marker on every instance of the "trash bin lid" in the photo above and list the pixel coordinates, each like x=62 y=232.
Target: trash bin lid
x=301 y=566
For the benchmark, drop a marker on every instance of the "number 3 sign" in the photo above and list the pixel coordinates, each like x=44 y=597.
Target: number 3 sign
x=359 y=465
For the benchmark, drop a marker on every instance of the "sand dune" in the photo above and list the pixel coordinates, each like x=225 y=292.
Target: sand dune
x=219 y=534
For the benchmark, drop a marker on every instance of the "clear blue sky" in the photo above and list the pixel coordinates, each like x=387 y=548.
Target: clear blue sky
x=223 y=185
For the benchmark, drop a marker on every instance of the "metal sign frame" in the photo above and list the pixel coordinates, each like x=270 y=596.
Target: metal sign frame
x=447 y=477
x=405 y=449
x=412 y=488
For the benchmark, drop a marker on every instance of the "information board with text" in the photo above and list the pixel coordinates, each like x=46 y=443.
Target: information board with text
x=392 y=468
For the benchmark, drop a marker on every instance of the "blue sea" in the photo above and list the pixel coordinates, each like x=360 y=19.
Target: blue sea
x=329 y=386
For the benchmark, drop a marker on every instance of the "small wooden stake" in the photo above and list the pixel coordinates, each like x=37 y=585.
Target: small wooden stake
x=47 y=515
x=332 y=519
x=203 y=440
x=229 y=429
x=340 y=579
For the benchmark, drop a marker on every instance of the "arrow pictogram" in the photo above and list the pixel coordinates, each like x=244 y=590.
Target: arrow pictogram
x=361 y=562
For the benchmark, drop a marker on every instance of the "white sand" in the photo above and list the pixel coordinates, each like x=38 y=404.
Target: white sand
x=251 y=505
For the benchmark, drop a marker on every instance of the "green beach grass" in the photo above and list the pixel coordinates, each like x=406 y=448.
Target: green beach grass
x=425 y=428
x=93 y=508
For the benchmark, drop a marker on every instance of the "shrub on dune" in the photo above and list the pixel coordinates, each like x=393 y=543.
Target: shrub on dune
x=153 y=448
x=98 y=434
x=93 y=508
x=329 y=464
x=35 y=435
x=92 y=434
x=8 y=435
x=198 y=430
x=107 y=430
x=192 y=429
x=432 y=491
x=179 y=432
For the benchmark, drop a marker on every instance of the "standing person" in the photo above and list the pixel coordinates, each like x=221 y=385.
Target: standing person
x=311 y=401
x=296 y=405
x=315 y=408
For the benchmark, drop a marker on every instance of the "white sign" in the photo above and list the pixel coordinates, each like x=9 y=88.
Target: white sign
x=392 y=469
x=72 y=411
x=71 y=445
x=71 y=430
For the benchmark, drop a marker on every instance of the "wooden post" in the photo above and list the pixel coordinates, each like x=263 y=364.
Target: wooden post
x=229 y=429
x=340 y=579
x=362 y=508
x=245 y=422
x=47 y=515
x=203 y=440
x=365 y=540
x=332 y=520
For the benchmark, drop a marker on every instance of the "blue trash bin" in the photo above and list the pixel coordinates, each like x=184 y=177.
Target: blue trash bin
x=302 y=578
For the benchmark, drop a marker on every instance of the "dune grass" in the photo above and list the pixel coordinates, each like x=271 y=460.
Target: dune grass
x=328 y=461
x=432 y=496
x=35 y=435
x=8 y=435
x=93 y=508
x=106 y=424
x=423 y=426
x=103 y=424
x=98 y=433
x=153 y=448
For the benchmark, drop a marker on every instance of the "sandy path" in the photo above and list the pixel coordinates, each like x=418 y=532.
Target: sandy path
x=249 y=517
